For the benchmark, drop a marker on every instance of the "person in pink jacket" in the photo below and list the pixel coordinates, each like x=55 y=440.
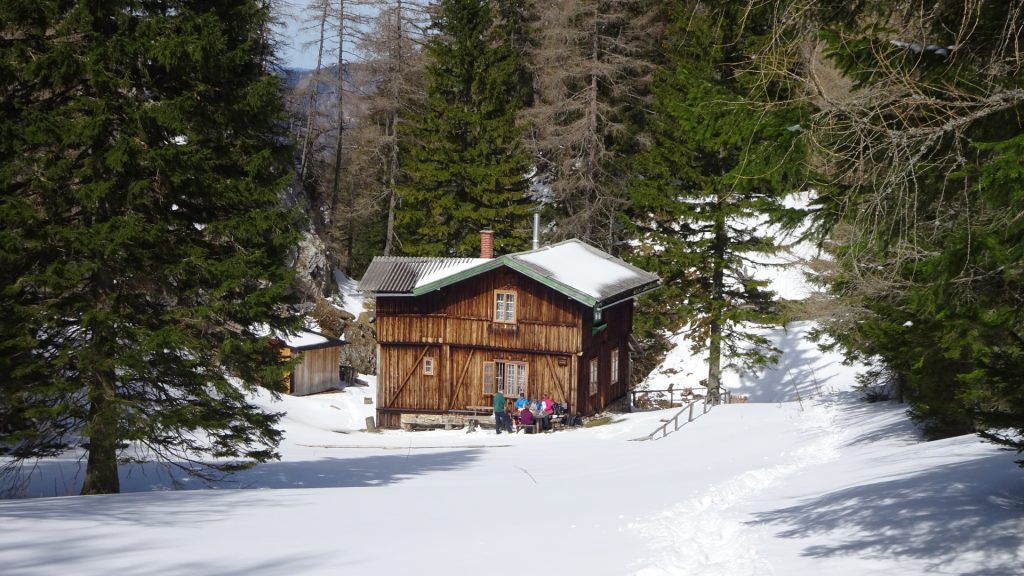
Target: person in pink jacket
x=547 y=408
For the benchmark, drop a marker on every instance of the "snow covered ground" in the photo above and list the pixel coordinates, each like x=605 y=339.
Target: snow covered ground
x=820 y=484
x=805 y=479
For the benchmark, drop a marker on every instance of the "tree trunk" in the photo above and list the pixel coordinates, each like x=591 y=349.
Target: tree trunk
x=101 y=469
x=396 y=87
x=717 y=306
x=389 y=241
x=715 y=362
x=311 y=109
x=338 y=151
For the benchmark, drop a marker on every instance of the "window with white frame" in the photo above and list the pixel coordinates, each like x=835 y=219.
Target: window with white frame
x=593 y=375
x=505 y=306
x=428 y=365
x=508 y=377
x=615 y=366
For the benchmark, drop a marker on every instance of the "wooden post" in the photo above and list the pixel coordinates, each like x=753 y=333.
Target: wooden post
x=446 y=355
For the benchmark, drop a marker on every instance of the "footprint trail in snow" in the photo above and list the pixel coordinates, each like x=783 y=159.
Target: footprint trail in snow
x=705 y=536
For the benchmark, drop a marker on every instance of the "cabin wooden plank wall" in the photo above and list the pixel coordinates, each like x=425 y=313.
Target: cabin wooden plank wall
x=317 y=372
x=463 y=314
x=404 y=387
x=454 y=331
x=600 y=345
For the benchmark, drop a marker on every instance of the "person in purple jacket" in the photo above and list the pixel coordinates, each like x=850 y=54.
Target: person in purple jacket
x=526 y=418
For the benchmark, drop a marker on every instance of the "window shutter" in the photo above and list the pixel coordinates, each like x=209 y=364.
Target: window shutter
x=488 y=378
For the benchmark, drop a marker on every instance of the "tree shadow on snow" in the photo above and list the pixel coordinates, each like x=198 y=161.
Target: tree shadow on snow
x=191 y=506
x=801 y=373
x=969 y=510
x=881 y=421
x=57 y=478
x=365 y=471
x=79 y=555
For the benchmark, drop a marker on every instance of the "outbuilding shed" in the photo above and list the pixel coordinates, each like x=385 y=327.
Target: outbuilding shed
x=318 y=371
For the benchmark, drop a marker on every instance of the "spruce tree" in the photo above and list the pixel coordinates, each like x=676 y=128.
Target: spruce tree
x=711 y=189
x=921 y=138
x=143 y=243
x=463 y=158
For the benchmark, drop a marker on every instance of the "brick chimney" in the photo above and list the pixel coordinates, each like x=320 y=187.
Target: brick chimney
x=487 y=244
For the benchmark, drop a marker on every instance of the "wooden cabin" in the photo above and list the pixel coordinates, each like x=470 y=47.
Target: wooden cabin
x=318 y=371
x=451 y=331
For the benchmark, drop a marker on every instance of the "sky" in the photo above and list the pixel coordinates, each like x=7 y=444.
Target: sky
x=295 y=34
x=292 y=52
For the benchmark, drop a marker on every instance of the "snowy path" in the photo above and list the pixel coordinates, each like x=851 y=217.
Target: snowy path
x=706 y=535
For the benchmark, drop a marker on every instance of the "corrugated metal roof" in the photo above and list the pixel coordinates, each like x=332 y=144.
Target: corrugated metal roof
x=400 y=274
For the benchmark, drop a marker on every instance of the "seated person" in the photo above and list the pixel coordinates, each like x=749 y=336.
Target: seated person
x=546 y=410
x=526 y=418
x=522 y=402
x=546 y=405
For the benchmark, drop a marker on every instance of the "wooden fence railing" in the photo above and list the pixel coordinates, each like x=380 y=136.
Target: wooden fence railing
x=660 y=399
x=675 y=421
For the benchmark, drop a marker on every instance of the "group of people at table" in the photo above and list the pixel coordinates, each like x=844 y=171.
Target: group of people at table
x=525 y=414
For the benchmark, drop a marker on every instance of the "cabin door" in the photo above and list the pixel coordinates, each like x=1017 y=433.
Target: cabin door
x=558 y=381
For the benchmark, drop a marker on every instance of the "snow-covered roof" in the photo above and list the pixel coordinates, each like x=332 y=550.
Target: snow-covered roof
x=308 y=340
x=573 y=267
x=301 y=340
x=585 y=268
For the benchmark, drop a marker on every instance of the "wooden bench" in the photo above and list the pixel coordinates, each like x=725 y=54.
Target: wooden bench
x=532 y=428
x=471 y=415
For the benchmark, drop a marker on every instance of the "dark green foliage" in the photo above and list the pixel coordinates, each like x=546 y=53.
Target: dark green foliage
x=141 y=237
x=712 y=187
x=463 y=156
x=925 y=217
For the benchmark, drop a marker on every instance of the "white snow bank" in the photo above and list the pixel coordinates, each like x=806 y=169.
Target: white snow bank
x=348 y=291
x=803 y=370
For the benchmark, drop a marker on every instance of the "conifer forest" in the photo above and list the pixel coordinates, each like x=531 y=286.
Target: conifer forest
x=172 y=195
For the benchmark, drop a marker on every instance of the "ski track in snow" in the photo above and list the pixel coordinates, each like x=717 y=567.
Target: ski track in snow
x=705 y=536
